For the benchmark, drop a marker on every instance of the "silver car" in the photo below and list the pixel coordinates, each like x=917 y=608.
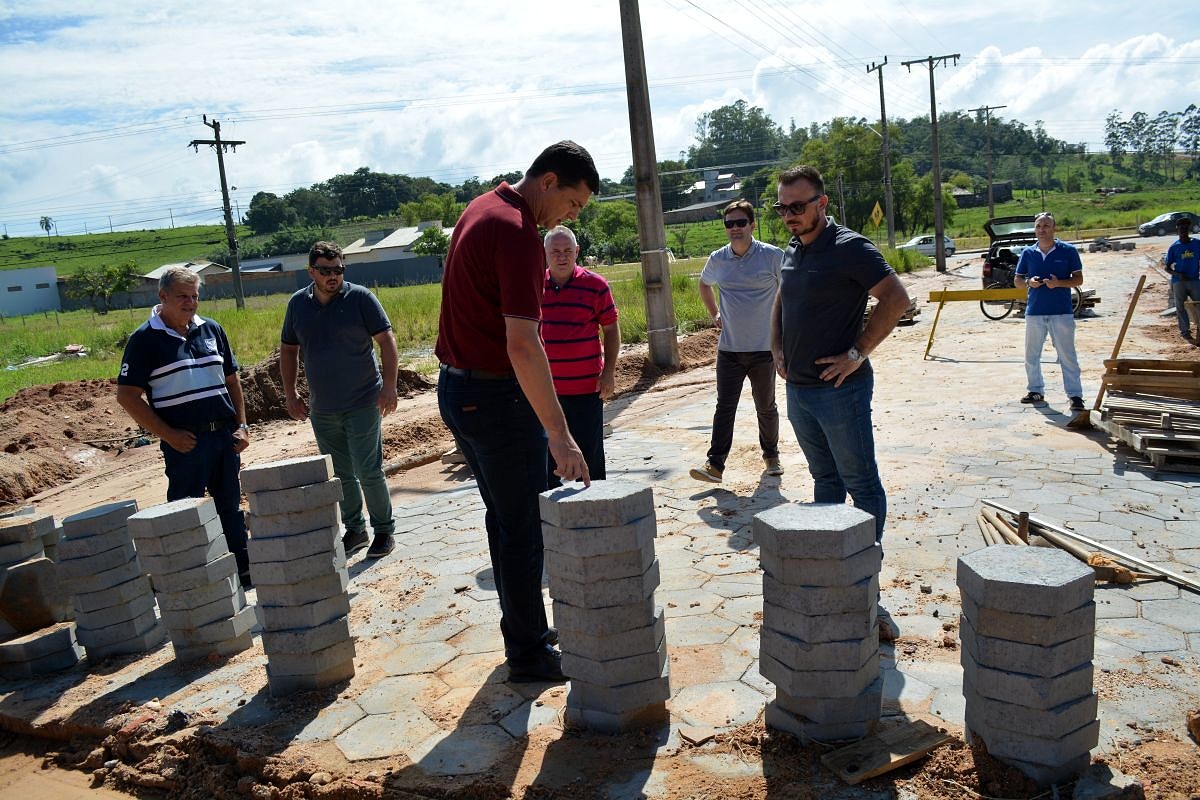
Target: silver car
x=926 y=245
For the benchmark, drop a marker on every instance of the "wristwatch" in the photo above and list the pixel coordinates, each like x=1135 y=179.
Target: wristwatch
x=855 y=355
x=243 y=427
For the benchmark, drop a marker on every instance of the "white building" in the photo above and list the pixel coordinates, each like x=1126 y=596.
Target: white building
x=28 y=291
x=384 y=246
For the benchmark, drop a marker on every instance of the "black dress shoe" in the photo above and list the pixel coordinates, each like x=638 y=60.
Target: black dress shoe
x=550 y=637
x=543 y=666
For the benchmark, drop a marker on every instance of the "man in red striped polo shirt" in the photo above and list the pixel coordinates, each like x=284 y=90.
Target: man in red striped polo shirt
x=577 y=308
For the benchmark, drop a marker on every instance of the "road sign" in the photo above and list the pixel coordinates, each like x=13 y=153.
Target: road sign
x=877 y=214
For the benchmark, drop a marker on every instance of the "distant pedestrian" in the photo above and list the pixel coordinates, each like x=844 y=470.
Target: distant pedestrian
x=1183 y=262
x=577 y=311
x=179 y=381
x=336 y=325
x=1049 y=270
x=746 y=273
x=495 y=390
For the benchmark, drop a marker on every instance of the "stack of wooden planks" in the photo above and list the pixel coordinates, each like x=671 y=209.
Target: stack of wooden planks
x=1153 y=406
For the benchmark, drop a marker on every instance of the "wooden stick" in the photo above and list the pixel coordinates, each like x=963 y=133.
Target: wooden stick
x=1006 y=534
x=985 y=530
x=1121 y=336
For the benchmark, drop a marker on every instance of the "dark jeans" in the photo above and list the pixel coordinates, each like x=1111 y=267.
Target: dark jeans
x=1183 y=290
x=732 y=371
x=585 y=420
x=505 y=446
x=213 y=465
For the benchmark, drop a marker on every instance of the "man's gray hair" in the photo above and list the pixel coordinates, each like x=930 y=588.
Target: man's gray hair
x=561 y=230
x=174 y=275
x=1046 y=215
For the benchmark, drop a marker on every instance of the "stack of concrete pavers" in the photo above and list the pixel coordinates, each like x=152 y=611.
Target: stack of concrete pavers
x=599 y=556
x=819 y=642
x=47 y=650
x=299 y=571
x=182 y=546
x=114 y=605
x=33 y=603
x=1028 y=632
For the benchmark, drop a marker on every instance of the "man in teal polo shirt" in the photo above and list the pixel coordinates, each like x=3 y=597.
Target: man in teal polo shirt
x=337 y=325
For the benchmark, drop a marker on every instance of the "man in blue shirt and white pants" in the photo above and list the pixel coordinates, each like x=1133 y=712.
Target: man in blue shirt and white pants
x=1049 y=270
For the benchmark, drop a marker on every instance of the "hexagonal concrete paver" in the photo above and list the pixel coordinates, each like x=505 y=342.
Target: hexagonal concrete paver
x=466 y=750
x=698 y=629
x=529 y=716
x=481 y=705
x=1113 y=603
x=401 y=691
x=330 y=721
x=686 y=602
x=383 y=735
x=718 y=705
x=412 y=659
x=1141 y=635
x=1182 y=614
x=693 y=665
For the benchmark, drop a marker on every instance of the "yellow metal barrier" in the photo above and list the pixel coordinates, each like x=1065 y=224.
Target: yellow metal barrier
x=946 y=296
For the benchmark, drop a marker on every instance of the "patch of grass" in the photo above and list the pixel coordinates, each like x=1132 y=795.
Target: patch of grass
x=148 y=249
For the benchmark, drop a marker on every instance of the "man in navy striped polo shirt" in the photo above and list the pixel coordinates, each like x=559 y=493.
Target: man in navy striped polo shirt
x=179 y=381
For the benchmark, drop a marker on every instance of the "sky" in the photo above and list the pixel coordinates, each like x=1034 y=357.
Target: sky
x=103 y=97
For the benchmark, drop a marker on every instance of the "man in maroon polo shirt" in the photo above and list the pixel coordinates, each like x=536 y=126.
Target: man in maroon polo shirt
x=495 y=392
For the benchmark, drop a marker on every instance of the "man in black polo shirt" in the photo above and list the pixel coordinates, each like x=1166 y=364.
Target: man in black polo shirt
x=179 y=381
x=336 y=324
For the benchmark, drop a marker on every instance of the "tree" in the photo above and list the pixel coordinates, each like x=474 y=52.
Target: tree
x=100 y=284
x=433 y=241
x=1114 y=138
x=46 y=224
x=268 y=213
x=313 y=206
x=733 y=134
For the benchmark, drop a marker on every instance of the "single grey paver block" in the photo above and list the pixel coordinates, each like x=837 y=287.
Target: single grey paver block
x=25 y=528
x=603 y=504
x=617 y=671
x=39 y=643
x=309 y=615
x=1050 y=723
x=600 y=622
x=297 y=498
x=286 y=473
x=620 y=699
x=19 y=551
x=224 y=649
x=199 y=596
x=815 y=601
x=617 y=645
x=71 y=568
x=120 y=631
x=185 y=559
x=103 y=617
x=203 y=575
x=121 y=594
x=821 y=627
x=32 y=596
x=1030 y=659
x=623 y=591
x=305 y=592
x=1028 y=580
x=1047 y=774
x=218 y=631
x=822 y=571
x=222 y=608
x=86 y=546
x=819 y=683
x=813 y=530
x=298 y=522
x=867 y=704
x=615 y=722
x=1031 y=691
x=176 y=515
x=1030 y=628
x=98 y=520
x=282 y=685
x=780 y=719
x=599 y=568
x=591 y=542
x=50 y=662
x=307 y=640
x=1034 y=749
x=310 y=663
x=142 y=643
x=182 y=540
x=99 y=581
x=274 y=573
x=802 y=655
x=286 y=548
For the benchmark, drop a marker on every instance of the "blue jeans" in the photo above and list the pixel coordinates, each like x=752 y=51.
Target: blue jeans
x=833 y=427
x=1183 y=290
x=505 y=446
x=211 y=465
x=1061 y=328
x=732 y=371
x=354 y=442
x=585 y=420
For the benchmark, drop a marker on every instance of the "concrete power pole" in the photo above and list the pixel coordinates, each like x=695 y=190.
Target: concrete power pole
x=220 y=146
x=939 y=226
x=656 y=273
x=987 y=122
x=887 y=156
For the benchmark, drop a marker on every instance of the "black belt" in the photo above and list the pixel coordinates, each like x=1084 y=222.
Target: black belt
x=209 y=427
x=478 y=374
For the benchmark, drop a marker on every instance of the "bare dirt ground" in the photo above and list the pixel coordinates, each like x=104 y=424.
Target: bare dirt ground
x=68 y=448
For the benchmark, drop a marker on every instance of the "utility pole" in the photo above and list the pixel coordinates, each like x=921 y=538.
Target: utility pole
x=939 y=226
x=220 y=146
x=887 y=156
x=656 y=273
x=110 y=230
x=171 y=211
x=842 y=201
x=987 y=121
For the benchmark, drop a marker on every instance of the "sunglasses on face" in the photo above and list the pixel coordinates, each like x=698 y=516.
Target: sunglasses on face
x=327 y=271
x=796 y=208
x=736 y=223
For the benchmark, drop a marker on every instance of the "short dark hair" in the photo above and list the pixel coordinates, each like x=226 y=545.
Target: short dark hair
x=803 y=172
x=1183 y=221
x=323 y=250
x=569 y=162
x=739 y=205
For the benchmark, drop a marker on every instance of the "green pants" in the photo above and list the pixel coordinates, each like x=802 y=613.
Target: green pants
x=353 y=440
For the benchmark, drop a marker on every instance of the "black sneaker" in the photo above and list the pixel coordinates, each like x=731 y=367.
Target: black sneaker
x=550 y=636
x=544 y=666
x=1034 y=397
x=383 y=544
x=354 y=541
x=1077 y=404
